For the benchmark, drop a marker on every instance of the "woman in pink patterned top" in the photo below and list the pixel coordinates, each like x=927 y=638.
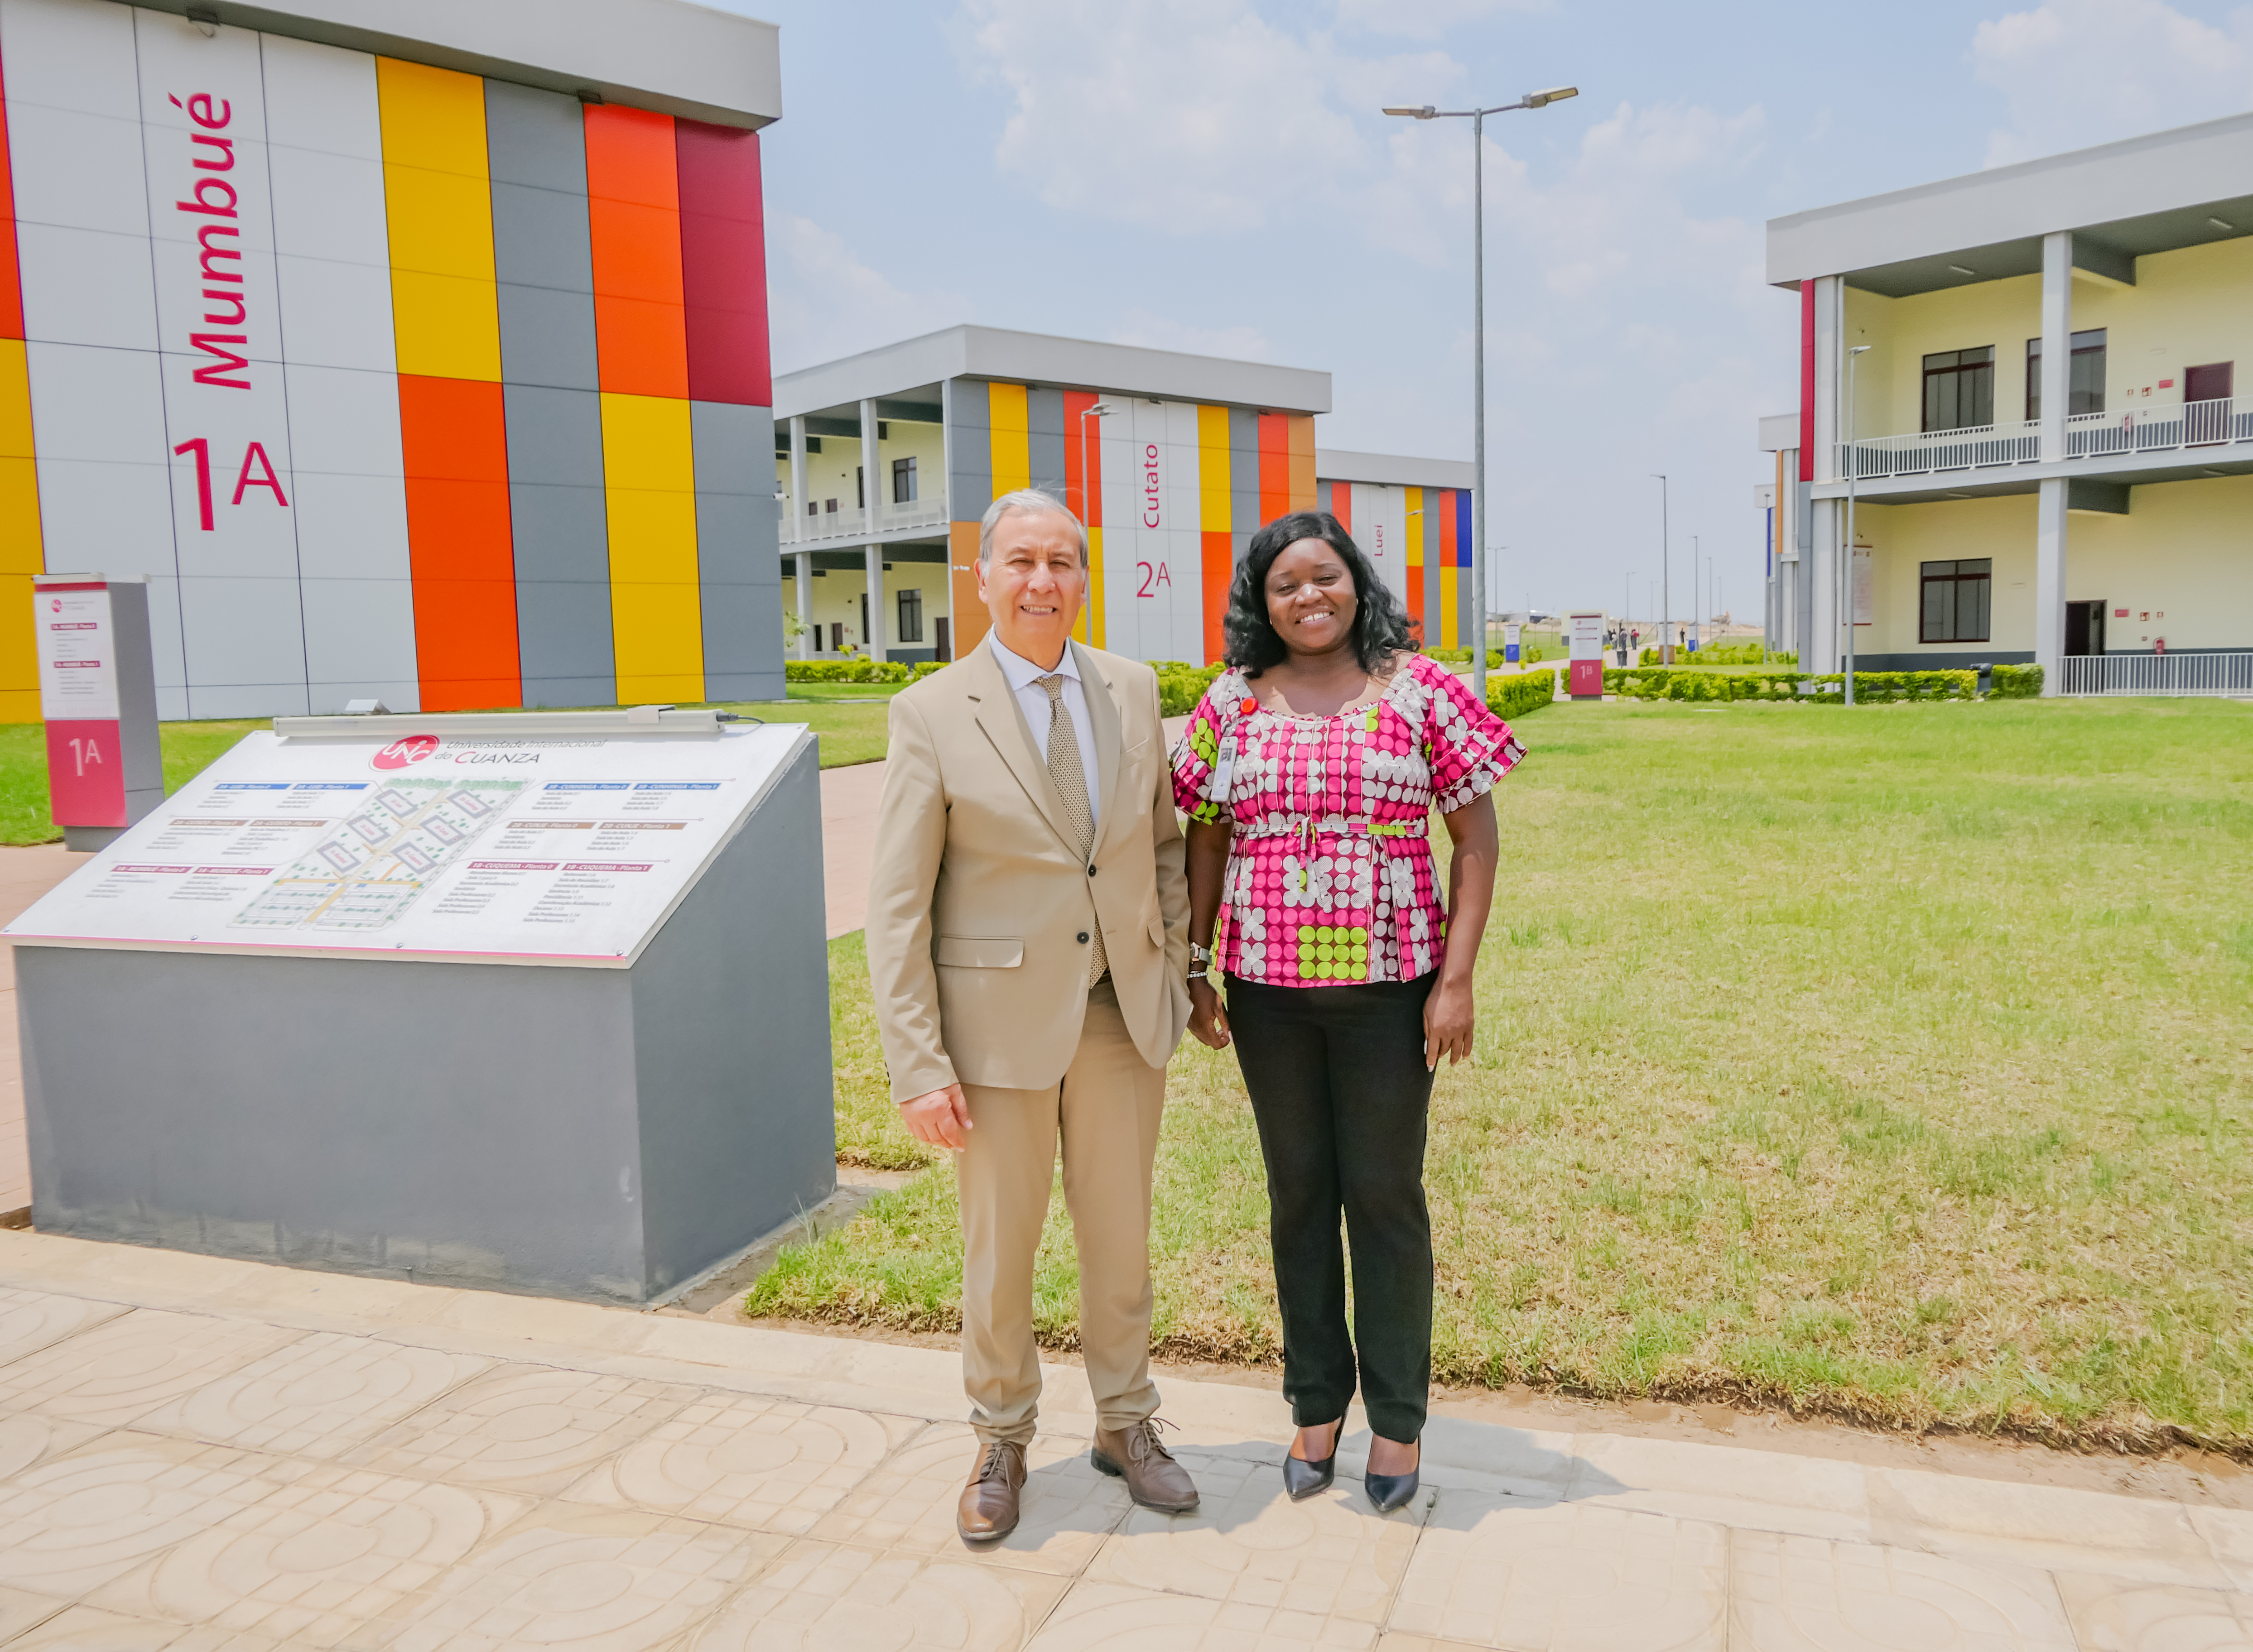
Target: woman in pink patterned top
x=1309 y=772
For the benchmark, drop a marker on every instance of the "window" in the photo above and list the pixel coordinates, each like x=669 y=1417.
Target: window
x=1959 y=388
x=2085 y=376
x=904 y=486
x=836 y=637
x=830 y=505
x=859 y=489
x=1956 y=601
x=910 y=615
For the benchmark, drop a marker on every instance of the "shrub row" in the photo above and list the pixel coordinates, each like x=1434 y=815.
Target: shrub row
x=856 y=671
x=1512 y=697
x=1871 y=687
x=1494 y=660
x=1747 y=654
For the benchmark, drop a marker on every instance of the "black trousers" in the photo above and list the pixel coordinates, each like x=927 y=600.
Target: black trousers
x=1340 y=1091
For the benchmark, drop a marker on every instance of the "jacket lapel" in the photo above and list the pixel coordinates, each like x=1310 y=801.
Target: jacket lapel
x=1004 y=724
x=1104 y=713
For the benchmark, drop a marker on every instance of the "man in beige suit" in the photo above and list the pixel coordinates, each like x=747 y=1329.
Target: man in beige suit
x=1027 y=939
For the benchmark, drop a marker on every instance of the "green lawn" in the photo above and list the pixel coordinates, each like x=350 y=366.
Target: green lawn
x=1894 y=1064
x=848 y=724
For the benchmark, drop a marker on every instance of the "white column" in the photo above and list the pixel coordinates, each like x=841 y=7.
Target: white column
x=1824 y=647
x=2057 y=342
x=797 y=478
x=2049 y=570
x=807 y=641
x=2050 y=518
x=870 y=492
x=1829 y=374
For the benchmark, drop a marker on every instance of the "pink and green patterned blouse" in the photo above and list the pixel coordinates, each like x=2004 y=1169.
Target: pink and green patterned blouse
x=1330 y=876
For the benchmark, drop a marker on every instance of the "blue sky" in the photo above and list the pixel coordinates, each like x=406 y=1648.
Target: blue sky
x=1213 y=175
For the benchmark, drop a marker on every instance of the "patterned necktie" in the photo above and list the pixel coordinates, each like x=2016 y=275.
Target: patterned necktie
x=1071 y=791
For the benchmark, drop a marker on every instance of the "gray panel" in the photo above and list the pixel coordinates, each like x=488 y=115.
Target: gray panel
x=481 y=1160
x=732 y=445
x=540 y=238
x=535 y=137
x=731 y=1025
x=1044 y=439
x=1244 y=471
x=1322 y=497
x=970 y=451
x=739 y=577
x=555 y=436
x=563 y=642
x=547 y=337
x=559 y=533
x=140 y=753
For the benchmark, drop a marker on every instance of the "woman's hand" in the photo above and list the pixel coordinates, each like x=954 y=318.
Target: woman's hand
x=1450 y=1018
x=1208 y=1016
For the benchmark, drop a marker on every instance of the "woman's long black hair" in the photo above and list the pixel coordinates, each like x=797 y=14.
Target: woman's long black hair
x=1380 y=624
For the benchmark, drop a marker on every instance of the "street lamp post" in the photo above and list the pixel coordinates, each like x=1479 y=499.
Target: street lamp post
x=1477 y=118
x=1666 y=566
x=1846 y=551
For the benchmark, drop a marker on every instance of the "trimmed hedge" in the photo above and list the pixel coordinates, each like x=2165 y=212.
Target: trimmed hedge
x=1514 y=696
x=857 y=671
x=1181 y=685
x=1747 y=654
x=1871 y=687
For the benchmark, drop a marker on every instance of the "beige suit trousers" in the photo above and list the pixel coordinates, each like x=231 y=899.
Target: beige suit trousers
x=1105 y=1114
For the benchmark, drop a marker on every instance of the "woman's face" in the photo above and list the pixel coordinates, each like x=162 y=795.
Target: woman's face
x=1310 y=598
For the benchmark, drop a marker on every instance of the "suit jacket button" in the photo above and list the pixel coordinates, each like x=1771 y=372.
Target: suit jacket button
x=1083 y=938
x=1091 y=871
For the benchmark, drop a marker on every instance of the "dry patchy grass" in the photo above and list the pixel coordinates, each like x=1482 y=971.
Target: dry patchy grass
x=1896 y=1065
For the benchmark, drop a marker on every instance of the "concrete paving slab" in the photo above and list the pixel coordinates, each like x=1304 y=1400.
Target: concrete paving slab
x=1117 y=1618
x=1805 y=1594
x=2052 y=1527
x=2228 y=1533
x=1724 y=1484
x=2110 y=1616
x=824 y=1595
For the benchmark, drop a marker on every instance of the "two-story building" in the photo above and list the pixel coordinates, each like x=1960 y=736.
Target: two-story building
x=1172 y=460
x=2023 y=383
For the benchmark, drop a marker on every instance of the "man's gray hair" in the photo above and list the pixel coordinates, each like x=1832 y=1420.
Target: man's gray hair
x=1030 y=501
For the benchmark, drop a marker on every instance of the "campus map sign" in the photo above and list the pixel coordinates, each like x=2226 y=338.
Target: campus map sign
x=569 y=850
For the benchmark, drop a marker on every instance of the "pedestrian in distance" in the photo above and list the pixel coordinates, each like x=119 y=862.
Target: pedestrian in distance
x=1308 y=772
x=1027 y=942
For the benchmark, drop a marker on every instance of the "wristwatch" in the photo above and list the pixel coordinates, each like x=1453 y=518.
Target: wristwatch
x=1201 y=956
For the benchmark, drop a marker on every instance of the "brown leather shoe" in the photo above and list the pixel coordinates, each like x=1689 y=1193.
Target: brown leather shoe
x=988 y=1508
x=1152 y=1478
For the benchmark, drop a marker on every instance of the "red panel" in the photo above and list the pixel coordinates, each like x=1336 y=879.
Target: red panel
x=723 y=264
x=1083 y=443
x=1440 y=502
x=1807 y=380
x=11 y=290
x=459 y=549
x=1342 y=505
x=86 y=773
x=633 y=220
x=1416 y=604
x=1275 y=466
x=1219 y=569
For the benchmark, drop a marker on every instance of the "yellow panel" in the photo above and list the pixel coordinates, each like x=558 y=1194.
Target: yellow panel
x=22 y=551
x=1091 y=623
x=439 y=201
x=1415 y=507
x=431 y=117
x=657 y=620
x=1301 y=429
x=1213 y=500
x=1010 y=444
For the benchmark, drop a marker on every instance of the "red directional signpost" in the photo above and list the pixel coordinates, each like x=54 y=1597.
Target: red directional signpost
x=1585 y=633
x=98 y=694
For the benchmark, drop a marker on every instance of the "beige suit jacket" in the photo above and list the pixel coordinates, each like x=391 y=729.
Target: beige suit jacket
x=978 y=895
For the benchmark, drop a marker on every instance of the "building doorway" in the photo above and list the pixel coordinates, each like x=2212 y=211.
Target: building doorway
x=2084 y=628
x=2206 y=402
x=942 y=637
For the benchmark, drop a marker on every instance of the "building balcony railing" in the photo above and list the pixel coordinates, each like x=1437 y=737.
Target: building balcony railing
x=849 y=525
x=2174 y=676
x=2087 y=435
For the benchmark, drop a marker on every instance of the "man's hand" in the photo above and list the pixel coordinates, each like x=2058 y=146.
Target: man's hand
x=939 y=1119
x=1208 y=1017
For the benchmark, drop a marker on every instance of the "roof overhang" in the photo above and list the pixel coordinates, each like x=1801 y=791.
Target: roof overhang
x=2156 y=193
x=1392 y=469
x=1044 y=358
x=672 y=56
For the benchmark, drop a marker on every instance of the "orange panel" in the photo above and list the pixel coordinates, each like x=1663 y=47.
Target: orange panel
x=1301 y=443
x=972 y=621
x=633 y=217
x=1274 y=467
x=1342 y=505
x=455 y=440
x=1416 y=604
x=1219 y=570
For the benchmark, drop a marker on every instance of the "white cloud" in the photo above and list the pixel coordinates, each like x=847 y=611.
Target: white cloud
x=1424 y=19
x=2073 y=73
x=1146 y=332
x=824 y=303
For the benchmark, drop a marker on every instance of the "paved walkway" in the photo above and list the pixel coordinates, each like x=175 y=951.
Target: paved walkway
x=199 y=1453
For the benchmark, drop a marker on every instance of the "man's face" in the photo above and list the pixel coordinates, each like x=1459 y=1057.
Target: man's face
x=1033 y=583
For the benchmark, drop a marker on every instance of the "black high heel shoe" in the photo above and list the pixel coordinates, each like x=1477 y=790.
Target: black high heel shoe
x=1303 y=1479
x=1388 y=1492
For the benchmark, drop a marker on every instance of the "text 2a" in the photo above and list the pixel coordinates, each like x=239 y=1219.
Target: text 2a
x=1153 y=576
